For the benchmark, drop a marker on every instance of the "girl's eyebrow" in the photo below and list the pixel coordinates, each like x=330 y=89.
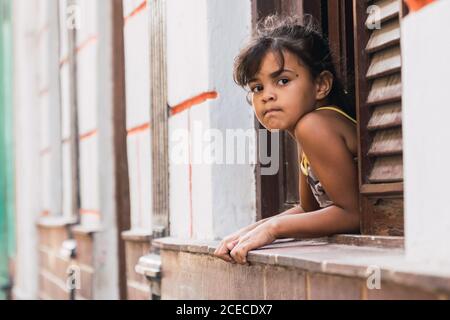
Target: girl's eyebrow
x=274 y=74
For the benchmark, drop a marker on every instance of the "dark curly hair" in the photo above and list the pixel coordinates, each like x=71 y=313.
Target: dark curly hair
x=302 y=37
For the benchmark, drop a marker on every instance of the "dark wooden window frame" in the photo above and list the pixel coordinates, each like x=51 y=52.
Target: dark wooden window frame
x=276 y=193
x=344 y=23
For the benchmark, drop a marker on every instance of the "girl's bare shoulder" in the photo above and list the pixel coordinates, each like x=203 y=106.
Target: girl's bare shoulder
x=326 y=123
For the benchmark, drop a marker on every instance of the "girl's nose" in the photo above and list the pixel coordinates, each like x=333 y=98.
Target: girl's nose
x=269 y=96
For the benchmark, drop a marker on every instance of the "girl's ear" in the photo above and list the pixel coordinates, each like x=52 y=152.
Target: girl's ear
x=249 y=98
x=324 y=84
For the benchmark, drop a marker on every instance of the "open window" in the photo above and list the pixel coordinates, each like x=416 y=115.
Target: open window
x=365 y=38
x=279 y=192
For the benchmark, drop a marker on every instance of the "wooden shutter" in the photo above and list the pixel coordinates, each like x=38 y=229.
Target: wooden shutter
x=378 y=101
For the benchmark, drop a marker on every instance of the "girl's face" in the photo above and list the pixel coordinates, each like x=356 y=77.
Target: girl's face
x=281 y=97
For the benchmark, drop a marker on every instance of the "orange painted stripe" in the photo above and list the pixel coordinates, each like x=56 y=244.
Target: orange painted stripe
x=139 y=9
x=139 y=193
x=193 y=101
x=89 y=212
x=142 y=127
x=43 y=92
x=191 y=215
x=190 y=203
x=45 y=151
x=42 y=31
x=63 y=61
x=89 y=134
x=415 y=5
x=66 y=140
x=45 y=213
x=92 y=39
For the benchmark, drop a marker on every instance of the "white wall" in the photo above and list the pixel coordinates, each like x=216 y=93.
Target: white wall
x=137 y=82
x=49 y=106
x=204 y=36
x=66 y=96
x=87 y=45
x=27 y=168
x=106 y=240
x=187 y=76
x=234 y=189
x=426 y=132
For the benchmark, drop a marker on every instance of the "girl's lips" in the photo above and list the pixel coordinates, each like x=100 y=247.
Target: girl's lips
x=272 y=111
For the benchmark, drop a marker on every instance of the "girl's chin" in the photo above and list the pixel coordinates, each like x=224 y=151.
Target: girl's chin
x=275 y=125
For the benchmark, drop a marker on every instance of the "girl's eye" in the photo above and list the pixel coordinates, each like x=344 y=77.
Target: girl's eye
x=256 y=89
x=283 y=81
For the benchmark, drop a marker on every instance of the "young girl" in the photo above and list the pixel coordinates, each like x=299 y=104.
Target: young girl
x=293 y=85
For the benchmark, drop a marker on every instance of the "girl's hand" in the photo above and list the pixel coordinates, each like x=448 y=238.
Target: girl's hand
x=258 y=237
x=225 y=246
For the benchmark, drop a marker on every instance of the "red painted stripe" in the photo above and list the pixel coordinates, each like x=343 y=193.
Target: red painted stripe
x=66 y=140
x=88 y=134
x=45 y=151
x=45 y=213
x=142 y=127
x=139 y=9
x=43 y=92
x=63 y=61
x=92 y=39
x=139 y=193
x=89 y=212
x=415 y=5
x=42 y=31
x=191 y=216
x=193 y=101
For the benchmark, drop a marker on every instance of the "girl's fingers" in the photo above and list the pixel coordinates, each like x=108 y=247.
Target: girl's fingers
x=223 y=253
x=232 y=244
x=239 y=254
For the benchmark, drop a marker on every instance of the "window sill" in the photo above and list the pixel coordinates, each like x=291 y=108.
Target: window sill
x=85 y=230
x=325 y=256
x=134 y=235
x=384 y=242
x=55 y=222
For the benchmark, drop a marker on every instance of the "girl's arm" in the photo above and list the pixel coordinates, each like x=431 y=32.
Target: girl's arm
x=228 y=243
x=316 y=222
x=320 y=223
x=334 y=166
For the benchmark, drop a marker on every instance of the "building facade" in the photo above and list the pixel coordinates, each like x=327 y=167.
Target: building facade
x=132 y=153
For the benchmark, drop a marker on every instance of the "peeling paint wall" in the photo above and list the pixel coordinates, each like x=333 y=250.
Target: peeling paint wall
x=27 y=149
x=137 y=83
x=87 y=50
x=207 y=200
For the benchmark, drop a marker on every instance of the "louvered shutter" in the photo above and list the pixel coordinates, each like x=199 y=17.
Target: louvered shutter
x=378 y=97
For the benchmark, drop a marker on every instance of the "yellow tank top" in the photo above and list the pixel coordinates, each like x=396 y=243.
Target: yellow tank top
x=316 y=187
x=304 y=164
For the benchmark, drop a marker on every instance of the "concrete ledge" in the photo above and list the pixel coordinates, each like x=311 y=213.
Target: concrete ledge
x=137 y=236
x=323 y=256
x=137 y=246
x=85 y=231
x=55 y=222
x=369 y=241
x=187 y=245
